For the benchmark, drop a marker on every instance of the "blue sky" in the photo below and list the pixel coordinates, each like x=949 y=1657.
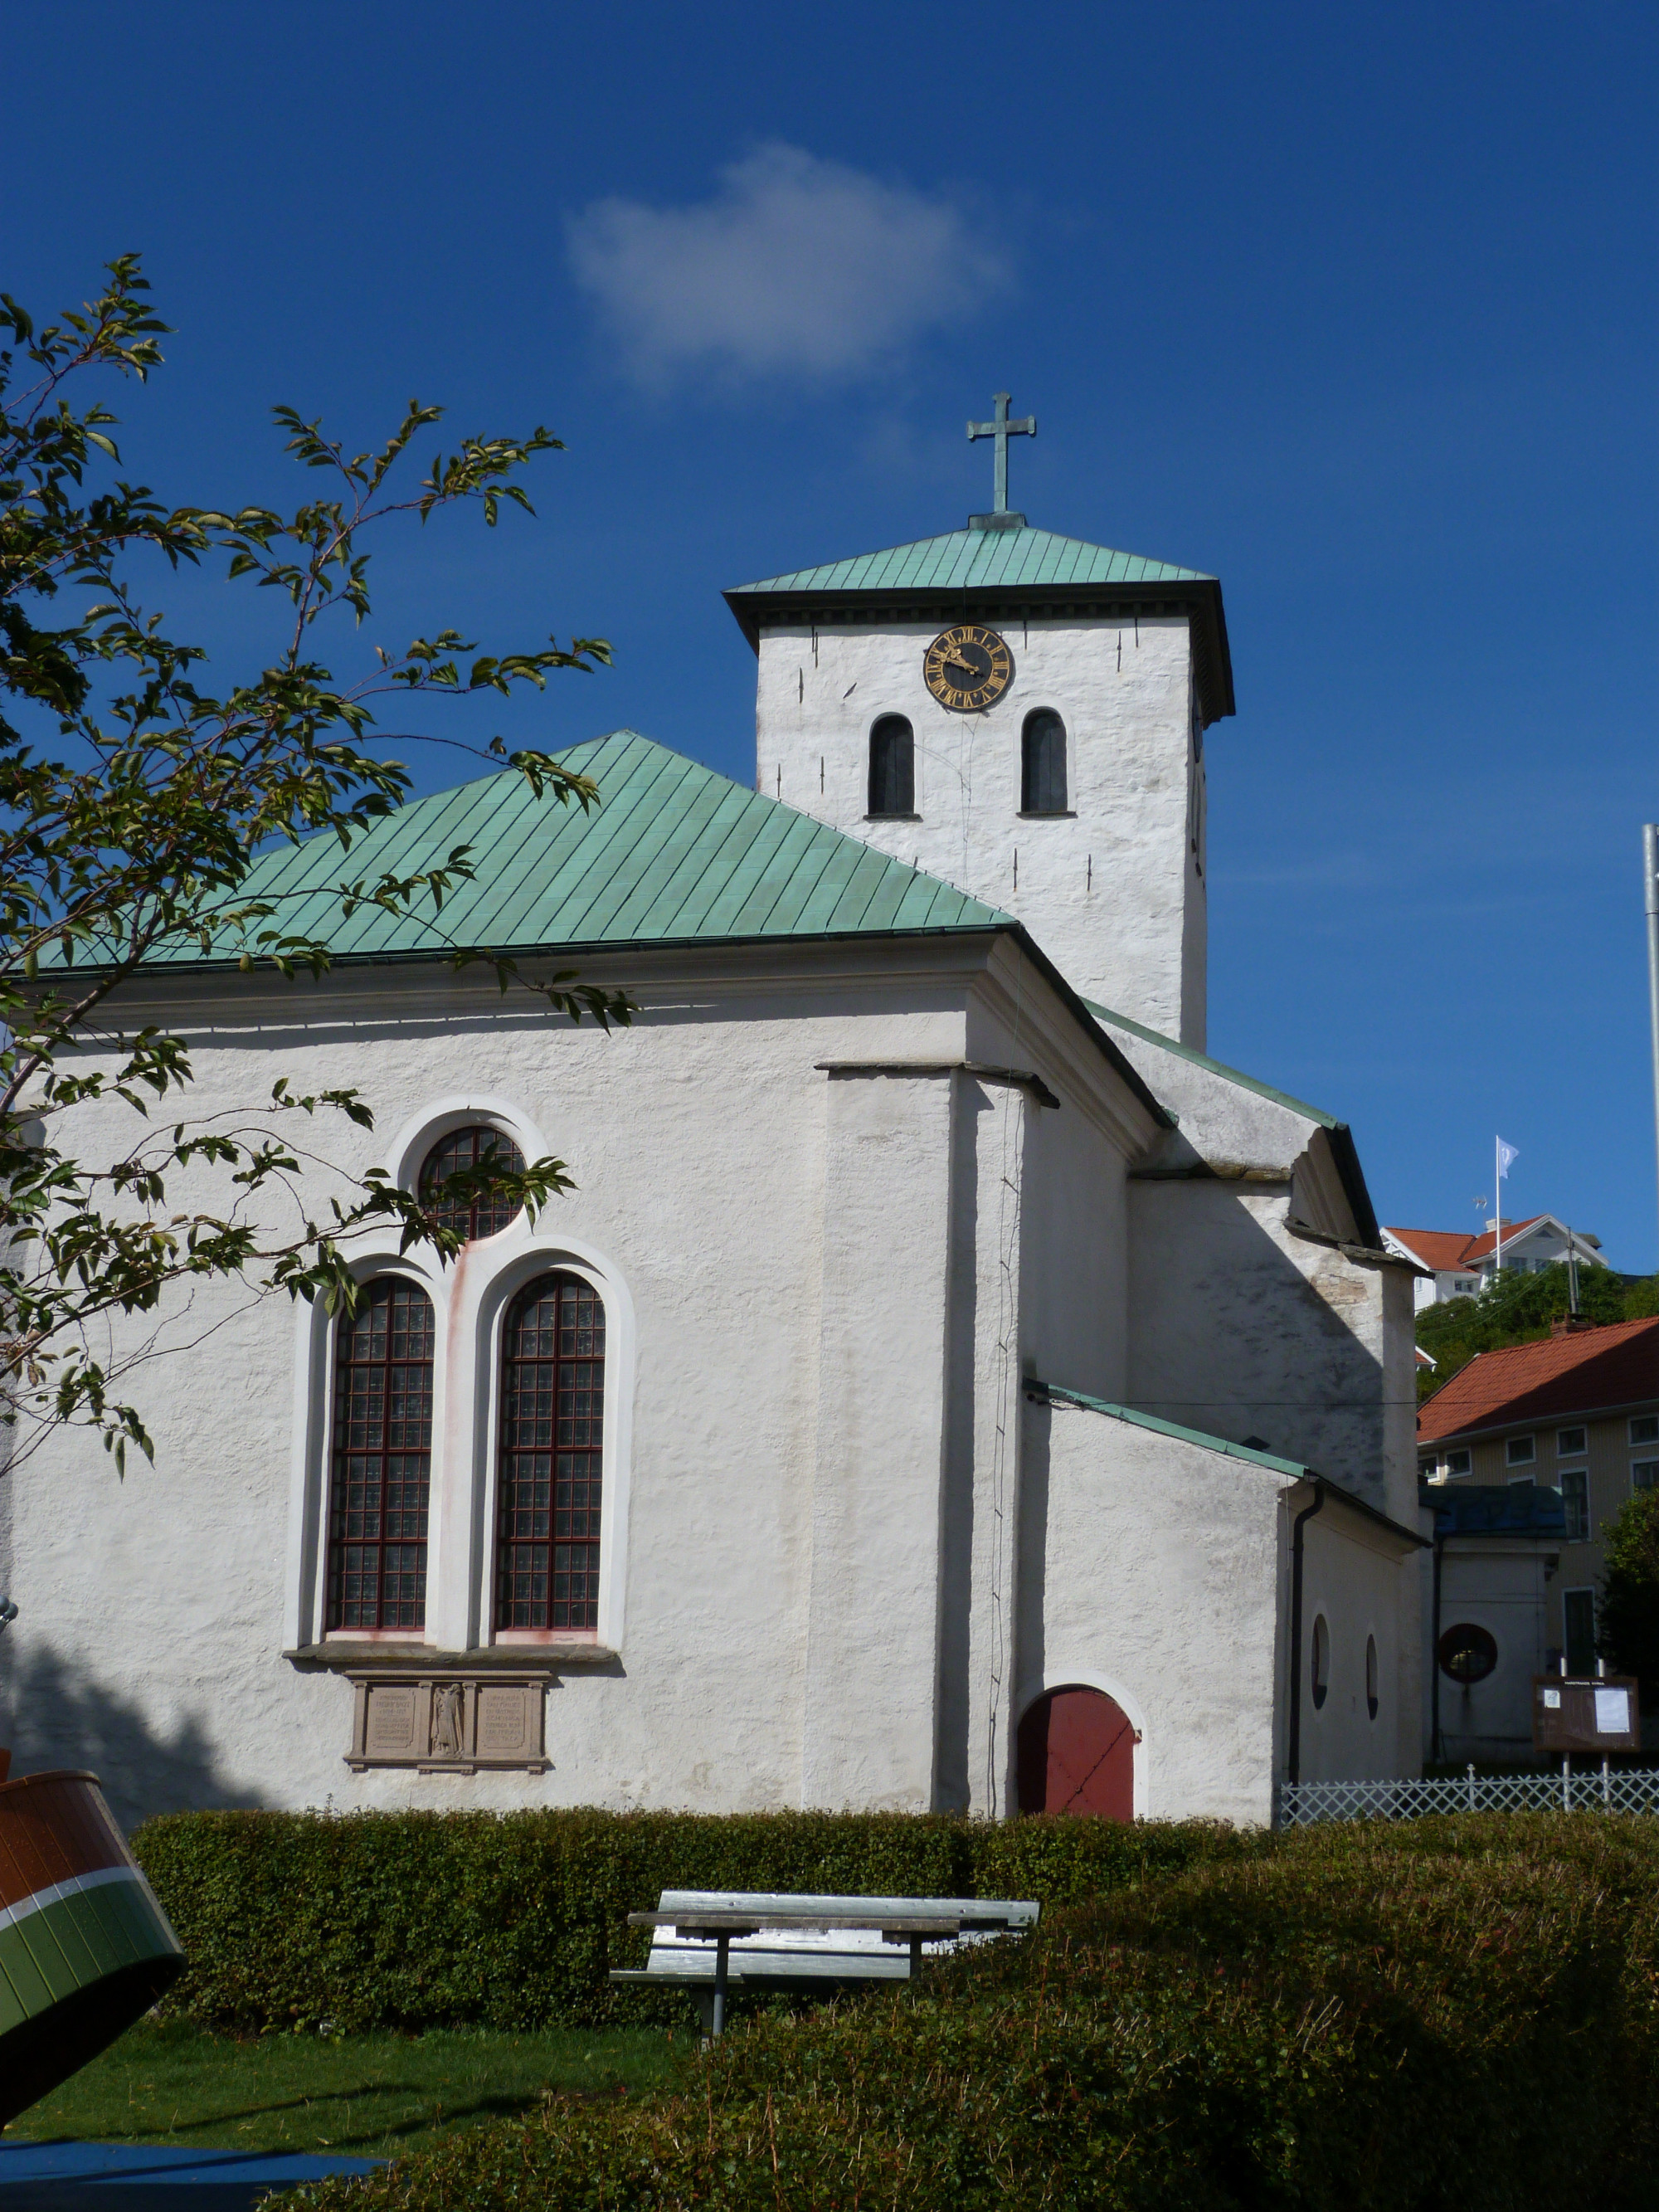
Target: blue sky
x=1353 y=307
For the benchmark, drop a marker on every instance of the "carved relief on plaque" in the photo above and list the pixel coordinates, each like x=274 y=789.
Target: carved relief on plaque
x=441 y=1722
x=448 y=1703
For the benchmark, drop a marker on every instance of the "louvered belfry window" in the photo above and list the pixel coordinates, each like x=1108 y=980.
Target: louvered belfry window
x=382 y=1459
x=549 y=1473
x=465 y=1148
x=892 y=766
x=1043 y=763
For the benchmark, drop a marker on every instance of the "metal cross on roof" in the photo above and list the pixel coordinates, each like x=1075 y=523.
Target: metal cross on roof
x=1002 y=429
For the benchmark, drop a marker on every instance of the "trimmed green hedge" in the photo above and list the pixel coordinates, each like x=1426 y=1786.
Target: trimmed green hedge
x=1460 y=2017
x=413 y=1920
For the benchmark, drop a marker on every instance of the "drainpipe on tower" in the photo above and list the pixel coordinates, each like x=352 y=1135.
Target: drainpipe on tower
x=1293 y=1763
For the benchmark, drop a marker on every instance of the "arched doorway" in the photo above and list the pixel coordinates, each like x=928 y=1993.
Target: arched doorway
x=1077 y=1754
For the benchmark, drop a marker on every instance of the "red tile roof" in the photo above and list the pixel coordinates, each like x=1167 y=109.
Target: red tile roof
x=1593 y=1368
x=1444 y=1249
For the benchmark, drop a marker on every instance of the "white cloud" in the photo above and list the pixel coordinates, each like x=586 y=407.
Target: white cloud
x=794 y=265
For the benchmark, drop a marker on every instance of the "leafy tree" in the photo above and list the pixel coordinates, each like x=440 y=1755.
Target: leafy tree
x=1518 y=1308
x=1627 y=1634
x=133 y=803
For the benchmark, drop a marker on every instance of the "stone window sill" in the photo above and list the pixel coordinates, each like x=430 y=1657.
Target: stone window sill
x=1048 y=814
x=368 y=1658
x=892 y=817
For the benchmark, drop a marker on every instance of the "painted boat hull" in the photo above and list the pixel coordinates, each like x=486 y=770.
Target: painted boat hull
x=85 y=1948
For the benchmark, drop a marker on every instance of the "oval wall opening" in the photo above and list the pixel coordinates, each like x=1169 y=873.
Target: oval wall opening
x=1077 y=1754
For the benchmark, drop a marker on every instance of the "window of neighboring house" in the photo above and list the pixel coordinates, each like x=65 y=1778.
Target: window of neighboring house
x=892 y=766
x=1322 y=1660
x=1521 y=1451
x=1574 y=1497
x=1458 y=1462
x=1644 y=1473
x=550 y=1465
x=1468 y=1652
x=1570 y=1443
x=1043 y=763
x=481 y=1214
x=1464 y=1285
x=1428 y=1469
x=380 y=1478
x=1373 y=1697
x=1578 y=1624
x=1644 y=1429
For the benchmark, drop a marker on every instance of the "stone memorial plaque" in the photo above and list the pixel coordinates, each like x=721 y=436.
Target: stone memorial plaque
x=504 y=1717
x=391 y=1726
x=446 y=1718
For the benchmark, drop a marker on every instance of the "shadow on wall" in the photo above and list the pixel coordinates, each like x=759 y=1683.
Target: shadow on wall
x=1227 y=1336
x=56 y=1713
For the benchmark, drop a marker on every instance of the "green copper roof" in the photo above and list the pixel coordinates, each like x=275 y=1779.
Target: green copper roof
x=674 y=852
x=983 y=573
x=967 y=559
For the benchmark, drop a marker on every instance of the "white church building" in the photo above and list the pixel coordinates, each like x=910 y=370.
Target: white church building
x=946 y=1388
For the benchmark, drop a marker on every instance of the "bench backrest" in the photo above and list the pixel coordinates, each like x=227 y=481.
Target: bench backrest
x=802 y=1955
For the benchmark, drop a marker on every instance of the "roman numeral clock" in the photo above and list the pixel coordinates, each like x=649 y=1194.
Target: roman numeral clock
x=967 y=667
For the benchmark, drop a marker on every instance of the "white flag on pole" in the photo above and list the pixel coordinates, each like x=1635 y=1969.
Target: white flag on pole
x=1505 y=1154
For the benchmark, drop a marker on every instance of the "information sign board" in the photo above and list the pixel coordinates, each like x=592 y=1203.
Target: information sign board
x=1581 y=1713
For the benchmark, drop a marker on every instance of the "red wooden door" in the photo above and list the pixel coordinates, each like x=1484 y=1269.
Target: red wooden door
x=1077 y=1755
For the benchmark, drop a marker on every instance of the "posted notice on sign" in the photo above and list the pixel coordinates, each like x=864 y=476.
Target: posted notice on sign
x=1612 y=1712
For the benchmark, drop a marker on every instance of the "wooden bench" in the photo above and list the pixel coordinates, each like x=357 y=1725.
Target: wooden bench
x=709 y=1942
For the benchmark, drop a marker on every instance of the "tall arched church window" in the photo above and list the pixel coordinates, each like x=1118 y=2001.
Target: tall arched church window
x=476 y=1215
x=549 y=1468
x=382 y=1459
x=1043 y=763
x=892 y=766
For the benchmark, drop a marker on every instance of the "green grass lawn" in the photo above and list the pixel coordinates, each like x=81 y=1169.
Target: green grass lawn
x=362 y=2096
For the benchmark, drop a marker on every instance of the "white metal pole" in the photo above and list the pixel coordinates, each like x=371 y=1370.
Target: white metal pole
x=1650 y=871
x=1497 y=1203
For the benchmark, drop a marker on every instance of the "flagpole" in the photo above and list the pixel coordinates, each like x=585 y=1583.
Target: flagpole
x=1497 y=1203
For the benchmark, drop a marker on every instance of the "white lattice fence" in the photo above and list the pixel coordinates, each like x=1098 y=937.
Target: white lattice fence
x=1620 y=1790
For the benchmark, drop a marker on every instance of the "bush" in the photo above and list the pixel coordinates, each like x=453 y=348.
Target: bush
x=1458 y=2015
x=414 y=1920
x=1628 y=1615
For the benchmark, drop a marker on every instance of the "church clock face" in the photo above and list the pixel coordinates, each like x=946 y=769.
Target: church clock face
x=967 y=667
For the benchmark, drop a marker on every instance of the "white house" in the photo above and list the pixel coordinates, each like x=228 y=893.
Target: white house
x=1456 y=1265
x=939 y=1391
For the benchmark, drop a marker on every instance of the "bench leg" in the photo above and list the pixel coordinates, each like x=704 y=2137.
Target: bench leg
x=706 y=2013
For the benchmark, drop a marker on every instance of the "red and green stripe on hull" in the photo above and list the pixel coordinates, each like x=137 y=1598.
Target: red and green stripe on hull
x=85 y=1948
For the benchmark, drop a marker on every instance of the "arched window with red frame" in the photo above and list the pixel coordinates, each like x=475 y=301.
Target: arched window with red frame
x=550 y=1471
x=381 y=1482
x=482 y=1215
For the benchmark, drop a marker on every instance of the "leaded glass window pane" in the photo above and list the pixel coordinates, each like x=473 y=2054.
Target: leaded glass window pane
x=381 y=1473
x=549 y=1473
x=485 y=1214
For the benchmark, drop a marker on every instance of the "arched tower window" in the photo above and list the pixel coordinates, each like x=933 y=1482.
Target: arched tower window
x=549 y=1469
x=892 y=766
x=478 y=1216
x=1043 y=763
x=382 y=1459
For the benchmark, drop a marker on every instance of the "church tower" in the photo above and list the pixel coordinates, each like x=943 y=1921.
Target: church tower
x=1023 y=714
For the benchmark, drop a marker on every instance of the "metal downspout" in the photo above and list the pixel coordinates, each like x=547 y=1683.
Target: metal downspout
x=1293 y=1761
x=1434 y=1650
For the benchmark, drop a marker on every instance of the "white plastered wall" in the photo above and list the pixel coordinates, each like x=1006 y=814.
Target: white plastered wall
x=777 y=1247
x=1152 y=1568
x=1113 y=891
x=1355 y=1577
